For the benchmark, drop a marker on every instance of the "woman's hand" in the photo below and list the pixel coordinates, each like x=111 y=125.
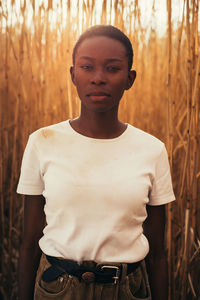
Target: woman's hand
x=156 y=261
x=34 y=222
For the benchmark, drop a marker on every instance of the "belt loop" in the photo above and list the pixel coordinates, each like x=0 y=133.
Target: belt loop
x=124 y=273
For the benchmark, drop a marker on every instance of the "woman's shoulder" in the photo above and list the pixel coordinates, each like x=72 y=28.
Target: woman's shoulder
x=144 y=136
x=145 y=141
x=48 y=136
x=49 y=131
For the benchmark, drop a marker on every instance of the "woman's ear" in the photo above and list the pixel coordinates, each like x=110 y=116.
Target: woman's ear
x=72 y=74
x=131 y=79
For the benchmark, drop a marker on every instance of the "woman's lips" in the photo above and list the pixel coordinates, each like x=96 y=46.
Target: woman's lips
x=98 y=96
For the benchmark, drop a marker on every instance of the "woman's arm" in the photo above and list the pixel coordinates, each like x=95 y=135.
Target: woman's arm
x=34 y=222
x=156 y=261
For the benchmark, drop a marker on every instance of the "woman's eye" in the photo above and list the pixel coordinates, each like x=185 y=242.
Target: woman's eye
x=86 y=67
x=113 y=69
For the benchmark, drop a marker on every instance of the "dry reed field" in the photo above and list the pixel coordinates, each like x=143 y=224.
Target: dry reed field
x=36 y=90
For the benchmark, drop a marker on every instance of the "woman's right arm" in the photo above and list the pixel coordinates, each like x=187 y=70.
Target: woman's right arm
x=30 y=253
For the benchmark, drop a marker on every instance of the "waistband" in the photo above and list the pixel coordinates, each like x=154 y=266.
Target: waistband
x=88 y=271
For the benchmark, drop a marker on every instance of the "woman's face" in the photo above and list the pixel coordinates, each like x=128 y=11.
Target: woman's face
x=100 y=73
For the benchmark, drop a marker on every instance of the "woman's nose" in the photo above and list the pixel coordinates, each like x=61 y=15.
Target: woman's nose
x=98 y=77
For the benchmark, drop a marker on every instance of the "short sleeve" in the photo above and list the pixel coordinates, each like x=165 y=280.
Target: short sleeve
x=162 y=190
x=30 y=181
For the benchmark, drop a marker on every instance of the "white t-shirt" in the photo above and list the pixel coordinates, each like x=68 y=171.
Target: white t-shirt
x=96 y=191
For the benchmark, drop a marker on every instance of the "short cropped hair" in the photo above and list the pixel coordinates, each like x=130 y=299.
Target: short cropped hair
x=108 y=31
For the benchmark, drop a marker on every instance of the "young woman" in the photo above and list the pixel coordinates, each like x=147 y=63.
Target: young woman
x=96 y=190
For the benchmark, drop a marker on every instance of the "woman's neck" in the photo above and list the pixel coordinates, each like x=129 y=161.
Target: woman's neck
x=102 y=125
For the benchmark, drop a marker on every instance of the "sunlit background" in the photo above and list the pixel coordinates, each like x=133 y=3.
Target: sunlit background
x=153 y=13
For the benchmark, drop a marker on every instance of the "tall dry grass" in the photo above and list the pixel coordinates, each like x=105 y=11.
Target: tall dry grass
x=36 y=90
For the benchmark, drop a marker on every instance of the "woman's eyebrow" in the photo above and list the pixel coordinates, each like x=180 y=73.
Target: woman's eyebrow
x=113 y=59
x=86 y=57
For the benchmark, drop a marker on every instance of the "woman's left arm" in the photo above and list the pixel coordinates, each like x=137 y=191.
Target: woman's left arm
x=156 y=260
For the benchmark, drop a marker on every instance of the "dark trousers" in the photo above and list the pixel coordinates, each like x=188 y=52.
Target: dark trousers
x=132 y=287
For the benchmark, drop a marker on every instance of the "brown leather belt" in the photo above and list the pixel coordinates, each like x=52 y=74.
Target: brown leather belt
x=102 y=273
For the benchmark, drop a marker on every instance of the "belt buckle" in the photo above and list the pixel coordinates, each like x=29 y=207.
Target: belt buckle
x=117 y=270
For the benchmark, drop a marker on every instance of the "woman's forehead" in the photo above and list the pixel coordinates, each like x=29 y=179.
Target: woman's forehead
x=101 y=46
